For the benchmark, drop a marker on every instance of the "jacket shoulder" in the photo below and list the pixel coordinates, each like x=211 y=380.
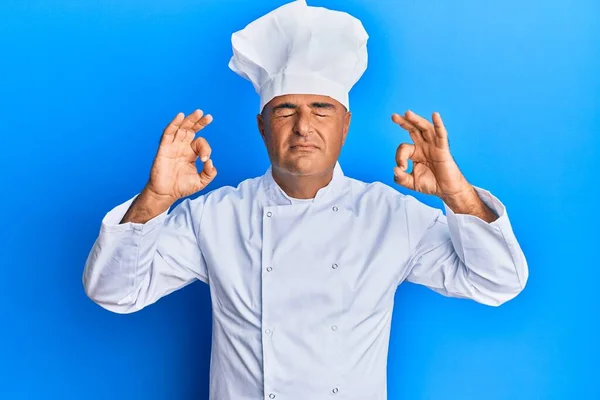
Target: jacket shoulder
x=244 y=191
x=375 y=191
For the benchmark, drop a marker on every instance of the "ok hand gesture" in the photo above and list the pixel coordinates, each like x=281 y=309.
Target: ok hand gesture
x=434 y=170
x=174 y=174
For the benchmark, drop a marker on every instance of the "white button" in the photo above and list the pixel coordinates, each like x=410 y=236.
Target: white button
x=334 y=327
x=268 y=331
x=269 y=269
x=335 y=390
x=334 y=266
x=335 y=208
x=269 y=214
x=271 y=396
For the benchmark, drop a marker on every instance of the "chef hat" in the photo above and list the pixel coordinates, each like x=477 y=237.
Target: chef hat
x=299 y=49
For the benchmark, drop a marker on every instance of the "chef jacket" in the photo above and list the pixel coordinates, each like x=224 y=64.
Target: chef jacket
x=302 y=291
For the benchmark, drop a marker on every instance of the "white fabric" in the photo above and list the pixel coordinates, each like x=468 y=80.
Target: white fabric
x=300 y=49
x=302 y=292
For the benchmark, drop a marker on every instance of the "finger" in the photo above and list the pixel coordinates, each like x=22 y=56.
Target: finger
x=191 y=119
x=422 y=124
x=202 y=122
x=169 y=132
x=403 y=153
x=440 y=129
x=201 y=148
x=208 y=173
x=199 y=125
x=181 y=135
x=404 y=178
x=414 y=133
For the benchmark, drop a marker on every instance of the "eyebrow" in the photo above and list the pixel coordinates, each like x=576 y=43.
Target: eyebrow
x=315 y=104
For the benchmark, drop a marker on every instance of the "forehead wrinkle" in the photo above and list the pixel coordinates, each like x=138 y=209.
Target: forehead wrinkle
x=289 y=105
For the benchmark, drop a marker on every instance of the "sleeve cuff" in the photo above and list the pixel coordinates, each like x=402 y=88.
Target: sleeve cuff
x=488 y=199
x=466 y=229
x=110 y=222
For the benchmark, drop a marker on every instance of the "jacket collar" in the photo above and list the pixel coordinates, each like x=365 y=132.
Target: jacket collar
x=335 y=191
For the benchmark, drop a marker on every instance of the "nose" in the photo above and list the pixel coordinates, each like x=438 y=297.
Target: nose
x=303 y=125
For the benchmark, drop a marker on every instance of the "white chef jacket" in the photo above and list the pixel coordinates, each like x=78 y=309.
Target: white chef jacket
x=302 y=291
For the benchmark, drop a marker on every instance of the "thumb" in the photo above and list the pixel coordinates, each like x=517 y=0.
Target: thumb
x=403 y=178
x=208 y=173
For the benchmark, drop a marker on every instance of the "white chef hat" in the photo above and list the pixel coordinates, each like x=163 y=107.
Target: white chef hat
x=299 y=49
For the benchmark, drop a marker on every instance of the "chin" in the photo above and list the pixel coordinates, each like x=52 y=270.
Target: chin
x=302 y=166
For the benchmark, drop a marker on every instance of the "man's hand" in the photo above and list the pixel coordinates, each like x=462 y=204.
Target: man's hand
x=434 y=170
x=174 y=174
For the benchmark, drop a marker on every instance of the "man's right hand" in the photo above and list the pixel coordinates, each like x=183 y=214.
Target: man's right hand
x=174 y=174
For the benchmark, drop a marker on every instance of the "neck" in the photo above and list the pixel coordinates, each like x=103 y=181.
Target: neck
x=301 y=186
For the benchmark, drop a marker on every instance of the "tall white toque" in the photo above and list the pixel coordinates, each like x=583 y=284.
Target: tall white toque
x=300 y=49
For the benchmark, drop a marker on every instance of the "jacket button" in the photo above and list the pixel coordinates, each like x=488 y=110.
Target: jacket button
x=335 y=390
x=271 y=396
x=269 y=269
x=269 y=214
x=334 y=266
x=335 y=208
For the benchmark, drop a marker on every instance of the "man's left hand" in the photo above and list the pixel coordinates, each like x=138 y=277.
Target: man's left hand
x=434 y=170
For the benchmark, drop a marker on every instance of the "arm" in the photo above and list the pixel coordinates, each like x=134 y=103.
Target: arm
x=146 y=206
x=132 y=264
x=471 y=252
x=464 y=256
x=143 y=253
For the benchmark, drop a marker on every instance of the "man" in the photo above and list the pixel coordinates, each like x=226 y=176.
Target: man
x=303 y=262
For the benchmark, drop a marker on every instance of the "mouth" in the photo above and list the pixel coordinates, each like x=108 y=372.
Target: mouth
x=304 y=147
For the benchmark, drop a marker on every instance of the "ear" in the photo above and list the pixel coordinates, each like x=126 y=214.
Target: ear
x=347 y=119
x=261 y=125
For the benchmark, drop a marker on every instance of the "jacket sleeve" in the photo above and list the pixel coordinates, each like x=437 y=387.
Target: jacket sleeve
x=132 y=265
x=463 y=256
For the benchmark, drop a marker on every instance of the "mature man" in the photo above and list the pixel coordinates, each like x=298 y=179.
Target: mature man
x=303 y=262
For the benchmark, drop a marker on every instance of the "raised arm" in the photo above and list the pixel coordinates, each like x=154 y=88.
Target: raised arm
x=471 y=252
x=142 y=252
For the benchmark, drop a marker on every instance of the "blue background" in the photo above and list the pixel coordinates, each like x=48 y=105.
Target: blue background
x=86 y=88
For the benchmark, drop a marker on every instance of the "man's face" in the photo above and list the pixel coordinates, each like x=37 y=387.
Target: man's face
x=304 y=134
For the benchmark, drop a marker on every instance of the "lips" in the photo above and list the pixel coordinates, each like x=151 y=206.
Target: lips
x=304 y=147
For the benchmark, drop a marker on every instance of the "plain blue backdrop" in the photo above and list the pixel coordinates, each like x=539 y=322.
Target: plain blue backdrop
x=86 y=88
